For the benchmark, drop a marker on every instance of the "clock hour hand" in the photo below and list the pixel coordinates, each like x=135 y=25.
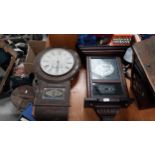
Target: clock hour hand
x=57 y=66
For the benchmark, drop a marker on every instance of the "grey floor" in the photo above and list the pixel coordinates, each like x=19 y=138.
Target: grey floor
x=7 y=110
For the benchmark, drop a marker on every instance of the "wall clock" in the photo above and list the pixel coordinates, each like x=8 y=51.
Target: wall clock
x=54 y=68
x=107 y=90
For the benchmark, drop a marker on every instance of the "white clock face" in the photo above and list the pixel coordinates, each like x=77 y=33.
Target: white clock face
x=101 y=69
x=57 y=62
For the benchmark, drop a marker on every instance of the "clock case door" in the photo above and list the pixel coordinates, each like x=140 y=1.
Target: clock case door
x=113 y=87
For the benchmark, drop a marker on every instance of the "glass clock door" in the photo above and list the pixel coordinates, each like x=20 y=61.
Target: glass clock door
x=102 y=69
x=105 y=77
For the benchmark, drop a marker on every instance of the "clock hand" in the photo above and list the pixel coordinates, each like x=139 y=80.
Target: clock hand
x=57 y=66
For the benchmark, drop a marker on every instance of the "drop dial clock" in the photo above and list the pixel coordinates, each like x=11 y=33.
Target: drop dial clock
x=54 y=68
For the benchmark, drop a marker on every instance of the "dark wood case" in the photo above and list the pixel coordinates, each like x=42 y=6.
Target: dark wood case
x=50 y=107
x=113 y=88
x=143 y=73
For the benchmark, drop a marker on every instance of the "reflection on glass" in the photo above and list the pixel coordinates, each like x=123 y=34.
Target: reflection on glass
x=104 y=69
x=100 y=90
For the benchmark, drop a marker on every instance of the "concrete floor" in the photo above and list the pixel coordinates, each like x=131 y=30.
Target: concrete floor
x=8 y=111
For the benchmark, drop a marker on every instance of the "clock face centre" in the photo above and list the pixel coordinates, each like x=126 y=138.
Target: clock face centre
x=57 y=62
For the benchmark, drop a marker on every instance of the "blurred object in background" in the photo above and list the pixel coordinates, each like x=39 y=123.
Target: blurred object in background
x=4 y=59
x=105 y=39
x=19 y=42
x=128 y=57
x=7 y=60
x=22 y=37
x=20 y=76
x=63 y=40
x=26 y=114
x=128 y=60
x=121 y=40
x=137 y=38
x=19 y=70
x=94 y=39
x=145 y=36
x=86 y=40
x=21 y=96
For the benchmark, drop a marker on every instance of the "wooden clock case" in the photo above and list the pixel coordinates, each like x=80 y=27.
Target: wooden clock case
x=106 y=106
x=53 y=108
x=115 y=93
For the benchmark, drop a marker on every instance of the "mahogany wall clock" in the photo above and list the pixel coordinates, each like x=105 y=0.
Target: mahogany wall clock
x=107 y=90
x=54 y=68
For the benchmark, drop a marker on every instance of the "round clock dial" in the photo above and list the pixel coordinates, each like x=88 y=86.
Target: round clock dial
x=57 y=62
x=101 y=69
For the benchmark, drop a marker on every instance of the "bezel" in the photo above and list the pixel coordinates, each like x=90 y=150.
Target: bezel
x=59 y=78
x=49 y=52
